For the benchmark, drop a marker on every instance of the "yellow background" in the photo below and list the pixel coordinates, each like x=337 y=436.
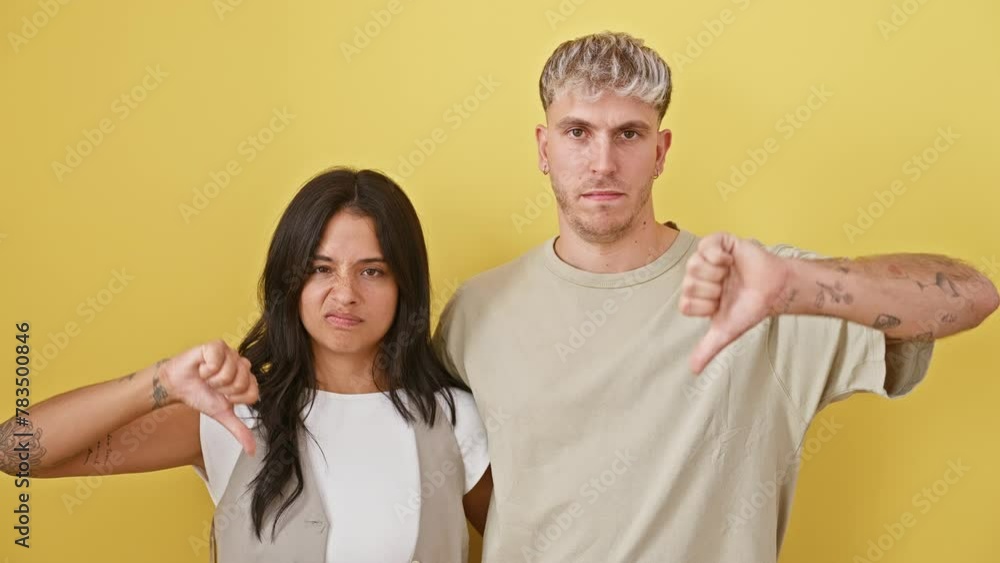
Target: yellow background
x=61 y=240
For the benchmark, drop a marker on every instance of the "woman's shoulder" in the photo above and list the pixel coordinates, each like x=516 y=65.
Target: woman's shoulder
x=470 y=434
x=465 y=403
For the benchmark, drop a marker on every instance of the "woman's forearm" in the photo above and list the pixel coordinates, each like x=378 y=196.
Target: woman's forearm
x=64 y=425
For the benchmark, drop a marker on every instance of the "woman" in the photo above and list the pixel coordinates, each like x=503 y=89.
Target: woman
x=357 y=443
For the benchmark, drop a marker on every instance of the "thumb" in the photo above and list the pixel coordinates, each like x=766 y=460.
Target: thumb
x=237 y=428
x=708 y=347
x=213 y=354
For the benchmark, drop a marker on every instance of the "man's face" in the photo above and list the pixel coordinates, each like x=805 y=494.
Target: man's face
x=602 y=155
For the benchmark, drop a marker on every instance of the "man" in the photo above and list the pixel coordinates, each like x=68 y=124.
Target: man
x=582 y=353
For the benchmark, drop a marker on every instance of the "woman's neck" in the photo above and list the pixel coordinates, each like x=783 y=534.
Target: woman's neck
x=347 y=374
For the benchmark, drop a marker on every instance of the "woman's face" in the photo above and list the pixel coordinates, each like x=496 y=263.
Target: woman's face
x=349 y=298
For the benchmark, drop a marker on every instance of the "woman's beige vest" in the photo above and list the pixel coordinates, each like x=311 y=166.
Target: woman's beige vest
x=301 y=535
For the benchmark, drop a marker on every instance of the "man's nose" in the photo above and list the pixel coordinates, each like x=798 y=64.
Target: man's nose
x=602 y=158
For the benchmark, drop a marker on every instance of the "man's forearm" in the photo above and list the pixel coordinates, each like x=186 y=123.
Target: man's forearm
x=907 y=296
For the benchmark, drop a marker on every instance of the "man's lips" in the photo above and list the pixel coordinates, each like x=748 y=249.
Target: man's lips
x=342 y=320
x=602 y=195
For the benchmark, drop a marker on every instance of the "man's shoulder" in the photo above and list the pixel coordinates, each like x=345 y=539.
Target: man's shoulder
x=499 y=279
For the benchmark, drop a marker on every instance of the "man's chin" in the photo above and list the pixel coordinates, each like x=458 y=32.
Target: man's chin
x=601 y=231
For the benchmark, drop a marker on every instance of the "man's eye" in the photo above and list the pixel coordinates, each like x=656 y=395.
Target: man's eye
x=576 y=132
x=630 y=134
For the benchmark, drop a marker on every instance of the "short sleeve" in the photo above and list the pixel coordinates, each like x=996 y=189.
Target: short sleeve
x=447 y=339
x=819 y=360
x=470 y=433
x=220 y=450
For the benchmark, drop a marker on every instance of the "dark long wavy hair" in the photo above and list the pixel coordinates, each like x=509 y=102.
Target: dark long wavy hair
x=279 y=348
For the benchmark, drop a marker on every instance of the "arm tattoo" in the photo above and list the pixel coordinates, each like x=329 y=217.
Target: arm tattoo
x=12 y=446
x=886 y=321
x=159 y=394
x=840 y=264
x=97 y=455
x=836 y=293
x=784 y=302
x=945 y=284
x=107 y=448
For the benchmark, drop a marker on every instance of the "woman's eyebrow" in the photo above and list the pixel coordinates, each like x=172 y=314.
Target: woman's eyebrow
x=322 y=258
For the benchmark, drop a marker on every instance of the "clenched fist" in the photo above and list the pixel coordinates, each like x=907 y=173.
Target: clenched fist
x=736 y=283
x=211 y=378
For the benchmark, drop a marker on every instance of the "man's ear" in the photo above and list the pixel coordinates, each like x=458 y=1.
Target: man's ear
x=663 y=139
x=542 y=138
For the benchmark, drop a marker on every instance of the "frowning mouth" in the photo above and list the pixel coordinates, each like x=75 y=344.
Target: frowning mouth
x=342 y=320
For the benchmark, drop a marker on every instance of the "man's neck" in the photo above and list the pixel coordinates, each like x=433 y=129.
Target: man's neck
x=644 y=243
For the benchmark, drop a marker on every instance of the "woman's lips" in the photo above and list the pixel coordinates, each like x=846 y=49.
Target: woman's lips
x=342 y=320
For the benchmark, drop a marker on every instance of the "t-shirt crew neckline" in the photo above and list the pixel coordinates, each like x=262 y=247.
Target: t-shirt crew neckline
x=643 y=274
x=350 y=396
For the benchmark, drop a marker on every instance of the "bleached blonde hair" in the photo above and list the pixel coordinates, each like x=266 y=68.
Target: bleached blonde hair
x=607 y=62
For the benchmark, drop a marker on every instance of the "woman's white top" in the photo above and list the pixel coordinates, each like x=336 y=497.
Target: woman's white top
x=370 y=473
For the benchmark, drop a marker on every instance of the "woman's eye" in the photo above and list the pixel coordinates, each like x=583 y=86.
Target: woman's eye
x=371 y=272
x=320 y=270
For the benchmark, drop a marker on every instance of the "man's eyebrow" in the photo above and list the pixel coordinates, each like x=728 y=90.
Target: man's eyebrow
x=641 y=125
x=571 y=121
x=574 y=121
x=321 y=258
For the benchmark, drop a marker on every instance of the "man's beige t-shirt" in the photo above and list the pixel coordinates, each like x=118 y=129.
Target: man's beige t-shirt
x=606 y=448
